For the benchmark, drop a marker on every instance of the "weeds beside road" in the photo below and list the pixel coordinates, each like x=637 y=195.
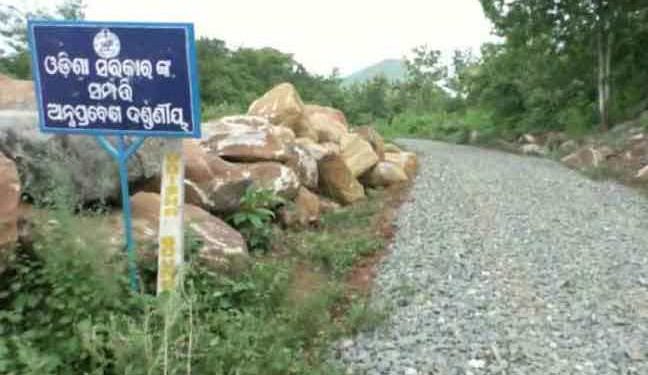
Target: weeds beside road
x=66 y=308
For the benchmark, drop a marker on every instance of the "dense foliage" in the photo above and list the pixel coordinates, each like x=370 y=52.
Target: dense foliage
x=569 y=65
x=564 y=64
x=231 y=79
x=574 y=65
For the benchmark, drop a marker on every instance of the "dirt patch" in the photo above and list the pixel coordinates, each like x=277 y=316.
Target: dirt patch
x=360 y=279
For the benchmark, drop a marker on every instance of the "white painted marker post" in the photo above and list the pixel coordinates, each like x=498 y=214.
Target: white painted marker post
x=171 y=234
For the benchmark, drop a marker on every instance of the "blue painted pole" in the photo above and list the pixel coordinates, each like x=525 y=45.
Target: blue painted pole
x=122 y=153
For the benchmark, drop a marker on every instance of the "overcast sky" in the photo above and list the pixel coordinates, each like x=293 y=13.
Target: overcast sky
x=322 y=34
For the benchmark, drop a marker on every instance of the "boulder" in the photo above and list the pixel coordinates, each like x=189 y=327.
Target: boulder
x=304 y=165
x=236 y=124
x=568 y=146
x=22 y=142
x=376 y=141
x=474 y=136
x=587 y=157
x=316 y=150
x=333 y=112
x=221 y=247
x=283 y=134
x=636 y=152
x=326 y=124
x=281 y=106
x=49 y=165
x=210 y=182
x=9 y=208
x=332 y=148
x=273 y=176
x=553 y=140
x=533 y=149
x=305 y=210
x=357 y=153
x=528 y=139
x=305 y=131
x=642 y=174
x=327 y=205
x=390 y=147
x=406 y=160
x=385 y=174
x=244 y=139
x=337 y=181
x=16 y=94
x=308 y=206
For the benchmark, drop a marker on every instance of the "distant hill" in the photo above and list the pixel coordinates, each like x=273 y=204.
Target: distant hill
x=392 y=69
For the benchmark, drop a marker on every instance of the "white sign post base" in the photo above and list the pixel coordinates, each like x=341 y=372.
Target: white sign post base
x=171 y=233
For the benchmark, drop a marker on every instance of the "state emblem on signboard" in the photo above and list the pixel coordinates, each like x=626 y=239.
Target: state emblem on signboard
x=106 y=44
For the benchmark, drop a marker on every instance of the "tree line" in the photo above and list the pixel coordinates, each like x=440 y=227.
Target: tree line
x=571 y=65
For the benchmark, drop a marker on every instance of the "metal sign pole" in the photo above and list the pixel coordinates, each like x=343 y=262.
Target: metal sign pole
x=121 y=154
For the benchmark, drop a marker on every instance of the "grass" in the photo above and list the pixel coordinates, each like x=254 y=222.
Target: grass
x=439 y=125
x=342 y=238
x=66 y=306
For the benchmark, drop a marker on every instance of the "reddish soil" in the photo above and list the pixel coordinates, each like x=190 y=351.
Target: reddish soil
x=360 y=280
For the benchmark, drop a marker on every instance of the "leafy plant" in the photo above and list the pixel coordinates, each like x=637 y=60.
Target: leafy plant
x=254 y=217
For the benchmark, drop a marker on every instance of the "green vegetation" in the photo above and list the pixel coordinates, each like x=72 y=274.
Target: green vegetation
x=231 y=79
x=14 y=56
x=65 y=305
x=254 y=217
x=343 y=237
x=572 y=66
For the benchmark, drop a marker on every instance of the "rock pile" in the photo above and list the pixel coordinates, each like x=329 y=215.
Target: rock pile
x=317 y=144
x=622 y=151
x=307 y=154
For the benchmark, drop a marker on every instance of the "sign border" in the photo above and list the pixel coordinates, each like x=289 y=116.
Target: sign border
x=192 y=65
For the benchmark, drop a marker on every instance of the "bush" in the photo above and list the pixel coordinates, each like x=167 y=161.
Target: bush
x=67 y=280
x=254 y=217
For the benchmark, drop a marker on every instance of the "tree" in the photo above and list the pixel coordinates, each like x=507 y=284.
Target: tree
x=578 y=34
x=14 y=59
x=425 y=75
x=71 y=10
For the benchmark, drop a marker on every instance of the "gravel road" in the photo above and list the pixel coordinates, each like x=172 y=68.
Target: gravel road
x=510 y=265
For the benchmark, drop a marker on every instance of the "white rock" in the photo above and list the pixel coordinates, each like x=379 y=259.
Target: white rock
x=346 y=344
x=642 y=174
x=477 y=363
x=533 y=149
